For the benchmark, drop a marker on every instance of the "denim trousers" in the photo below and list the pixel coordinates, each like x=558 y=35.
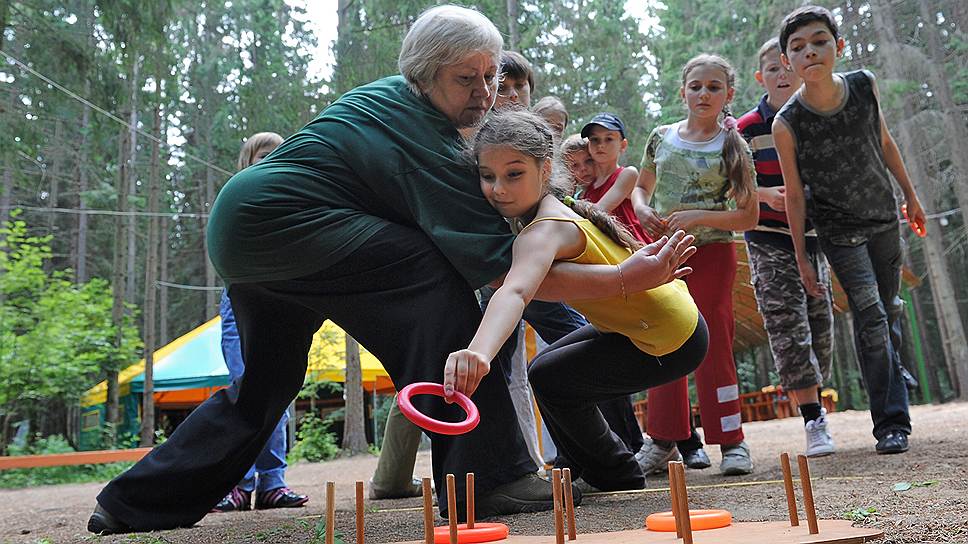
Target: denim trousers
x=869 y=270
x=270 y=465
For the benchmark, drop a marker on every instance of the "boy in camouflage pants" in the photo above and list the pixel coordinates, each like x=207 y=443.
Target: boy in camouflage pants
x=798 y=325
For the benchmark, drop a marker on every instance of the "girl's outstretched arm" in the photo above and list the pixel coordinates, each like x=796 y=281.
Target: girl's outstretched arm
x=534 y=251
x=655 y=264
x=620 y=191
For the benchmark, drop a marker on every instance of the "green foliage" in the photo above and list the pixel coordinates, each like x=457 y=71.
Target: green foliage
x=55 y=335
x=314 y=441
x=861 y=514
x=32 y=477
x=905 y=486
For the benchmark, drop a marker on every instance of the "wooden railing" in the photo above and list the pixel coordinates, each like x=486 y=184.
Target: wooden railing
x=73 y=458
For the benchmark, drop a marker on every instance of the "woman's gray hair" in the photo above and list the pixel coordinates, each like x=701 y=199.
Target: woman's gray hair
x=441 y=36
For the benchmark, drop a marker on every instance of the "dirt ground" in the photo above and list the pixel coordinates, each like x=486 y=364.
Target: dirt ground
x=854 y=481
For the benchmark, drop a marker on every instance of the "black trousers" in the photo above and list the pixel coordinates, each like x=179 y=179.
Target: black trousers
x=587 y=367
x=403 y=301
x=553 y=321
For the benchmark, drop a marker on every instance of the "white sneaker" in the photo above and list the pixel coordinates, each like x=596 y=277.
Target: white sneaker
x=819 y=441
x=653 y=458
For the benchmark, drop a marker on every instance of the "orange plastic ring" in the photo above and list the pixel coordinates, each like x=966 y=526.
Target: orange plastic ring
x=433 y=425
x=700 y=520
x=482 y=532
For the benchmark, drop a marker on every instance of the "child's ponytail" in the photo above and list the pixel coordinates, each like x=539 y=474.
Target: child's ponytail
x=737 y=165
x=602 y=220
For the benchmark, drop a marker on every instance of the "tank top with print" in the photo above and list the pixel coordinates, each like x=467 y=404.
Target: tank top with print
x=658 y=321
x=845 y=179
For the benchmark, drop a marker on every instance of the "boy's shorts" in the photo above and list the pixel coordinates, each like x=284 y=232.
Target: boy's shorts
x=800 y=327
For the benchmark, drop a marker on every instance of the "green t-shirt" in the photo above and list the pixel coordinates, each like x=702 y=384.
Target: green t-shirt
x=689 y=177
x=380 y=154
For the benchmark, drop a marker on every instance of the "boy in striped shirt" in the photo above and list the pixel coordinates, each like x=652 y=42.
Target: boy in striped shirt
x=799 y=326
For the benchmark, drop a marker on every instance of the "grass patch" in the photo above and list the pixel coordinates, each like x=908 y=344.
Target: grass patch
x=17 y=478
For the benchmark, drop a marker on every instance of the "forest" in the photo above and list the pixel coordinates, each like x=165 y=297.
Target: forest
x=121 y=119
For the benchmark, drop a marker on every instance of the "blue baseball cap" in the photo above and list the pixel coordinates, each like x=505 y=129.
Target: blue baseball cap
x=604 y=119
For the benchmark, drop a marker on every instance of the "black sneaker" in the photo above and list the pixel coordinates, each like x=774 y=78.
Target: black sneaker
x=696 y=459
x=281 y=497
x=236 y=500
x=892 y=442
x=529 y=493
x=102 y=523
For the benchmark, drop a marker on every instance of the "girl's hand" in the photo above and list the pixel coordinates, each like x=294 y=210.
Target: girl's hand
x=650 y=220
x=774 y=197
x=684 y=220
x=658 y=263
x=808 y=276
x=463 y=372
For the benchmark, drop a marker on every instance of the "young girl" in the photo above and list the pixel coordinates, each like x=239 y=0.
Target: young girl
x=613 y=183
x=635 y=341
x=699 y=175
x=270 y=466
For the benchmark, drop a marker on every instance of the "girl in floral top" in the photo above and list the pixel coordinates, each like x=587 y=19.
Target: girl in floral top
x=698 y=176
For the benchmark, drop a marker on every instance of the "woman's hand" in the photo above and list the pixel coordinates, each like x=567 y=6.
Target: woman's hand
x=463 y=372
x=684 y=220
x=658 y=263
x=650 y=220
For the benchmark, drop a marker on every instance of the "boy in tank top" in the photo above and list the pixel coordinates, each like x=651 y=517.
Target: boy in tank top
x=835 y=154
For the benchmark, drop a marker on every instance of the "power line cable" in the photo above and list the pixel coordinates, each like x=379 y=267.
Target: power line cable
x=110 y=115
x=188 y=287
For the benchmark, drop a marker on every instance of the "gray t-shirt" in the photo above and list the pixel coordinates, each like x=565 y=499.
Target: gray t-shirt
x=848 y=190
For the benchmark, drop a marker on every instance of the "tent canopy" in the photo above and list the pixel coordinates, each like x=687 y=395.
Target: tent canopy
x=195 y=361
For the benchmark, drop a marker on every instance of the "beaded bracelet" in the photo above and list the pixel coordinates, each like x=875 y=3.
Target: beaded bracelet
x=622 y=280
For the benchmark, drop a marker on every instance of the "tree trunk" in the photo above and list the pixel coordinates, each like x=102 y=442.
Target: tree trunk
x=80 y=260
x=946 y=301
x=132 y=229
x=151 y=290
x=6 y=193
x=845 y=359
x=930 y=357
x=54 y=174
x=354 y=428
x=118 y=283
x=163 y=290
x=514 y=37
x=954 y=119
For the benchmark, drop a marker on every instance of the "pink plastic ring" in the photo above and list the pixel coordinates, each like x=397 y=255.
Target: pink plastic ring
x=482 y=532
x=433 y=425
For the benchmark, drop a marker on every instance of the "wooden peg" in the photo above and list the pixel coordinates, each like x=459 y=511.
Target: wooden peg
x=428 y=511
x=788 y=484
x=683 y=503
x=556 y=495
x=330 y=511
x=674 y=497
x=469 y=483
x=569 y=504
x=359 y=512
x=807 y=485
x=452 y=507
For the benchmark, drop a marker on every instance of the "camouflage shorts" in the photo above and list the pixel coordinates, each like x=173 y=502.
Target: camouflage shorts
x=800 y=327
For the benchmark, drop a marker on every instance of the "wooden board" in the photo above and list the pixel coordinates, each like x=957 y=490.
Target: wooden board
x=73 y=458
x=769 y=532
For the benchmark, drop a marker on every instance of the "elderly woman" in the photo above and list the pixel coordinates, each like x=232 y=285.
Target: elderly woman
x=369 y=217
